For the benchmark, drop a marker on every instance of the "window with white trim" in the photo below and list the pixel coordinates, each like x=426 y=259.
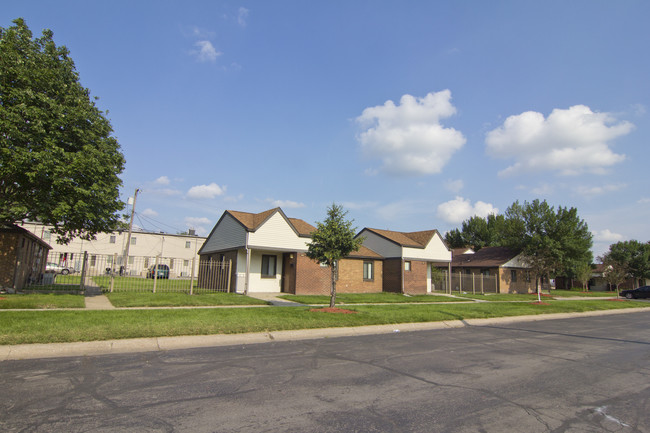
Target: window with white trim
x=268 y=266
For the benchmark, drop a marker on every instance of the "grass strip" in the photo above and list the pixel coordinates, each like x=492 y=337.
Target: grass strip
x=21 y=327
x=41 y=301
x=127 y=299
x=368 y=298
x=565 y=293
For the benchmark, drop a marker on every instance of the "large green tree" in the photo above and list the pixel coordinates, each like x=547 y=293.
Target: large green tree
x=633 y=256
x=59 y=163
x=333 y=240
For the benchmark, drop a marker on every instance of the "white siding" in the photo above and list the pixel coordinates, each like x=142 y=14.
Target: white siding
x=434 y=251
x=380 y=245
x=276 y=233
x=259 y=284
x=229 y=234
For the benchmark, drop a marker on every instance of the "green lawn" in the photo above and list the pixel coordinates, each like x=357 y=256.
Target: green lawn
x=368 y=298
x=41 y=301
x=591 y=294
x=129 y=299
x=19 y=327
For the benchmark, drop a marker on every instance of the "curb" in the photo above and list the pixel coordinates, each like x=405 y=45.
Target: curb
x=157 y=344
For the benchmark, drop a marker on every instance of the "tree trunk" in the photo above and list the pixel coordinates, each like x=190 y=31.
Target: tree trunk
x=333 y=288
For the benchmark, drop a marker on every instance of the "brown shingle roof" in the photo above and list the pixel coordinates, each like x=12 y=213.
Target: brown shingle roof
x=365 y=252
x=252 y=221
x=406 y=239
x=486 y=257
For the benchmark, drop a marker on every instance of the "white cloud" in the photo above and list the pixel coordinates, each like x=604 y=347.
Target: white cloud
x=543 y=189
x=569 y=141
x=287 y=204
x=206 y=51
x=242 y=15
x=607 y=236
x=149 y=212
x=454 y=185
x=202 y=225
x=409 y=138
x=598 y=190
x=162 y=180
x=643 y=200
x=206 y=191
x=458 y=210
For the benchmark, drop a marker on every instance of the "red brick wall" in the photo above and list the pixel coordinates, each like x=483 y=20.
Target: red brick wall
x=351 y=277
x=415 y=280
x=313 y=279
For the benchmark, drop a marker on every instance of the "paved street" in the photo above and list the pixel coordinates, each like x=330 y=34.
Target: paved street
x=576 y=375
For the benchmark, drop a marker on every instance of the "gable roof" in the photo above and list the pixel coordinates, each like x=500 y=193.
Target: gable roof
x=406 y=239
x=253 y=221
x=486 y=257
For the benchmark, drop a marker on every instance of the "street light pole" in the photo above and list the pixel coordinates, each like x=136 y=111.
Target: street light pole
x=128 y=239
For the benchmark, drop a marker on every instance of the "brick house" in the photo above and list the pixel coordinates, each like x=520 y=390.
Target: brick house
x=23 y=257
x=268 y=254
x=408 y=257
x=501 y=266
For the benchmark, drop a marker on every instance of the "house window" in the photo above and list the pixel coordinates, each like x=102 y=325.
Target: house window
x=186 y=262
x=47 y=235
x=133 y=240
x=527 y=277
x=513 y=276
x=146 y=261
x=171 y=263
x=407 y=266
x=368 y=271
x=268 y=266
x=112 y=239
x=485 y=272
x=188 y=244
x=93 y=260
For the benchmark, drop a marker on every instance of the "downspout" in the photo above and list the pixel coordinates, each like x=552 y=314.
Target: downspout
x=248 y=266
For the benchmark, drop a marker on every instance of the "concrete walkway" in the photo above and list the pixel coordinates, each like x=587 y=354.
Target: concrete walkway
x=98 y=302
x=274 y=300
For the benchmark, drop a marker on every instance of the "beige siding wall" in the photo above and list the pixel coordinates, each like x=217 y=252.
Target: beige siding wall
x=276 y=233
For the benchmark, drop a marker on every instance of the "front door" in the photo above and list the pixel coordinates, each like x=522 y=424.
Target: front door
x=288 y=284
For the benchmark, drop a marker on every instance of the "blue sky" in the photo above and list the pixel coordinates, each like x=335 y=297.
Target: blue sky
x=413 y=115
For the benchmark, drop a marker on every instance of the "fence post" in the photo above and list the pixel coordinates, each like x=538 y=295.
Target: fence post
x=82 y=284
x=229 y=275
x=192 y=275
x=113 y=272
x=155 y=273
x=482 y=279
x=460 y=281
x=473 y=284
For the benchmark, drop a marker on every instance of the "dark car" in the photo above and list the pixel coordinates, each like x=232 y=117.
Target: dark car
x=162 y=271
x=640 y=292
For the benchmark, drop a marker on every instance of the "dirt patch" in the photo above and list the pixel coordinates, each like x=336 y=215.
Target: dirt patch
x=333 y=310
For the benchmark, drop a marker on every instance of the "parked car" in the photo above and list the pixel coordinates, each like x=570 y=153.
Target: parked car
x=161 y=272
x=58 y=269
x=639 y=292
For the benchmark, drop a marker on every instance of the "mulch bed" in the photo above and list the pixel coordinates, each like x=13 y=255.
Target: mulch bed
x=333 y=310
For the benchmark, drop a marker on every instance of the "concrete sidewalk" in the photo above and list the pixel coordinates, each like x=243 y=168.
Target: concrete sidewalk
x=274 y=300
x=98 y=302
x=93 y=348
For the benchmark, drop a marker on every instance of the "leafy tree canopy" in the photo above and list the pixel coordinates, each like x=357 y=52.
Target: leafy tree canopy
x=552 y=241
x=59 y=163
x=333 y=240
x=632 y=256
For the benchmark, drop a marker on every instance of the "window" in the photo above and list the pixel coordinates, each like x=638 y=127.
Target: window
x=146 y=261
x=133 y=241
x=527 y=277
x=186 y=262
x=93 y=260
x=485 y=272
x=188 y=244
x=268 y=266
x=112 y=239
x=513 y=276
x=407 y=266
x=47 y=235
x=171 y=263
x=368 y=271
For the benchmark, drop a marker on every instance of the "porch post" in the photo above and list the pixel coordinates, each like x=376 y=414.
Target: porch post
x=449 y=277
x=248 y=266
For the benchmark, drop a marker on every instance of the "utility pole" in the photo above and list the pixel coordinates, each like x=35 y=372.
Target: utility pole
x=128 y=239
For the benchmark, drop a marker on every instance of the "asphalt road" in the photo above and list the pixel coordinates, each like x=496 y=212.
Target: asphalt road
x=588 y=374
